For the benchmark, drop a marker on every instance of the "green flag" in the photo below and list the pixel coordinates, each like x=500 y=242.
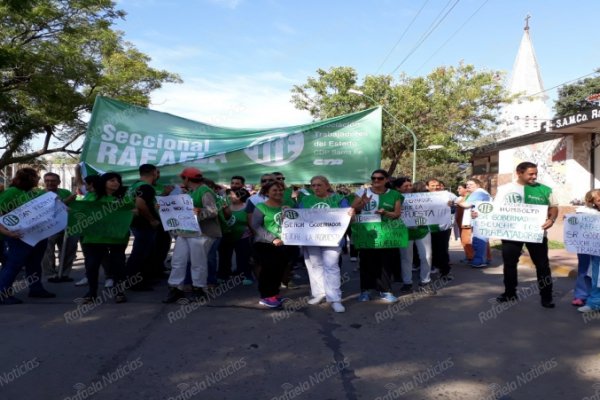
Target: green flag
x=121 y=137
x=380 y=235
x=100 y=219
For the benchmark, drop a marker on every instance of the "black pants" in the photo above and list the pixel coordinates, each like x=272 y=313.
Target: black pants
x=376 y=269
x=440 y=258
x=162 y=245
x=242 y=257
x=139 y=261
x=94 y=254
x=273 y=261
x=511 y=251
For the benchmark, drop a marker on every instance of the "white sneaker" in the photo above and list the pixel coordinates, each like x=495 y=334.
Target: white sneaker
x=338 y=307
x=82 y=282
x=316 y=300
x=109 y=283
x=585 y=309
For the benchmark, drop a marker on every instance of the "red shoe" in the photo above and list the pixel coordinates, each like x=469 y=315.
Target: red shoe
x=578 y=303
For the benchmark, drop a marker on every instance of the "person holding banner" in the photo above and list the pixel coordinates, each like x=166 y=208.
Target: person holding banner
x=527 y=190
x=96 y=247
x=193 y=246
x=322 y=262
x=17 y=253
x=480 y=245
x=270 y=251
x=587 y=293
x=376 y=263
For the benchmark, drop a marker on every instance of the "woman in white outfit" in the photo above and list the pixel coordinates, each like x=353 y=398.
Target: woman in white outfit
x=322 y=262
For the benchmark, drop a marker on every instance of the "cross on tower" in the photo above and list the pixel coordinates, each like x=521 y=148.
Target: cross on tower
x=527 y=22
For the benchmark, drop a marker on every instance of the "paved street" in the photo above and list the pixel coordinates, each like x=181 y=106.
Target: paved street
x=455 y=344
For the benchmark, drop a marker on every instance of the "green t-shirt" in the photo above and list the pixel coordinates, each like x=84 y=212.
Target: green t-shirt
x=63 y=193
x=14 y=197
x=237 y=225
x=529 y=194
x=312 y=201
x=386 y=200
x=93 y=239
x=272 y=219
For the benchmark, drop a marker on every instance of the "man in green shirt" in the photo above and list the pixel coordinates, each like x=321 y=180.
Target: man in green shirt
x=527 y=190
x=67 y=249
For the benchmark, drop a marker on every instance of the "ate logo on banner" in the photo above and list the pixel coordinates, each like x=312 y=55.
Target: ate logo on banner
x=10 y=220
x=485 y=208
x=276 y=150
x=321 y=205
x=513 y=197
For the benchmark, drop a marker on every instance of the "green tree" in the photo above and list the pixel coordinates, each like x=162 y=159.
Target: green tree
x=56 y=56
x=572 y=98
x=452 y=107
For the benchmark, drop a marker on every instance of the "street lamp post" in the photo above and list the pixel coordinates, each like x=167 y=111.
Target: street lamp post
x=414 y=161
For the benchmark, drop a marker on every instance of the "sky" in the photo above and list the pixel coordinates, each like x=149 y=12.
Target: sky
x=239 y=59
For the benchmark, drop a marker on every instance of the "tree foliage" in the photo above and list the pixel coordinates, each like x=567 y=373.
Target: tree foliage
x=451 y=106
x=56 y=56
x=572 y=98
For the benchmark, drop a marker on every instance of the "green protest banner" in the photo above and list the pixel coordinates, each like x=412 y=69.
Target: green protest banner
x=121 y=137
x=99 y=218
x=380 y=235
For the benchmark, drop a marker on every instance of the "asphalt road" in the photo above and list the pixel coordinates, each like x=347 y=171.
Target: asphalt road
x=454 y=344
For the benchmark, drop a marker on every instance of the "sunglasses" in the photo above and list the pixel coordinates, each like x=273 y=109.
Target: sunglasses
x=280 y=178
x=378 y=178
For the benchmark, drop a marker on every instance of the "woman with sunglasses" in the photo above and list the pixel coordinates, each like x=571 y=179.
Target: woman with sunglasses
x=376 y=264
x=322 y=262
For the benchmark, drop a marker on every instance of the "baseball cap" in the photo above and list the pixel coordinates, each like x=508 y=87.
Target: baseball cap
x=191 y=172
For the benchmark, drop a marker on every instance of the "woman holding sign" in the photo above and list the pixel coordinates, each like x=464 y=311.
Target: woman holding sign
x=97 y=246
x=587 y=292
x=269 y=249
x=17 y=253
x=377 y=202
x=322 y=262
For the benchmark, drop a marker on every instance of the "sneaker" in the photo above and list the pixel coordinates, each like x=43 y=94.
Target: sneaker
x=548 y=303
x=406 y=288
x=585 y=309
x=174 y=295
x=120 y=298
x=504 y=298
x=578 y=302
x=364 y=296
x=483 y=265
x=247 y=282
x=9 y=300
x=316 y=300
x=388 y=296
x=433 y=270
x=447 y=277
x=198 y=294
x=82 y=282
x=466 y=261
x=338 y=307
x=416 y=268
x=353 y=259
x=271 y=302
x=42 y=294
x=109 y=283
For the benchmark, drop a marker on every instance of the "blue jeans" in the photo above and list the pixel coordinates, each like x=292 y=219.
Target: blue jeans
x=18 y=254
x=242 y=248
x=212 y=262
x=583 y=284
x=479 y=250
x=594 y=298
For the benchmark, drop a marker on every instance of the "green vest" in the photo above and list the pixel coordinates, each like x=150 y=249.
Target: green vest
x=272 y=218
x=312 y=201
x=237 y=225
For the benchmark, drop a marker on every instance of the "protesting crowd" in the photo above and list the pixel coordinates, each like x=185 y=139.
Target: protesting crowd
x=396 y=229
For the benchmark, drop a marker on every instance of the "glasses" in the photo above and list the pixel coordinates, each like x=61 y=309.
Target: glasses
x=280 y=178
x=266 y=180
x=377 y=178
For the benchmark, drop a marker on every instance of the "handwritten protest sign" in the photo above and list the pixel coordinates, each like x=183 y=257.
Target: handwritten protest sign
x=323 y=227
x=384 y=234
x=430 y=208
x=510 y=221
x=582 y=233
x=100 y=218
x=37 y=219
x=177 y=213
